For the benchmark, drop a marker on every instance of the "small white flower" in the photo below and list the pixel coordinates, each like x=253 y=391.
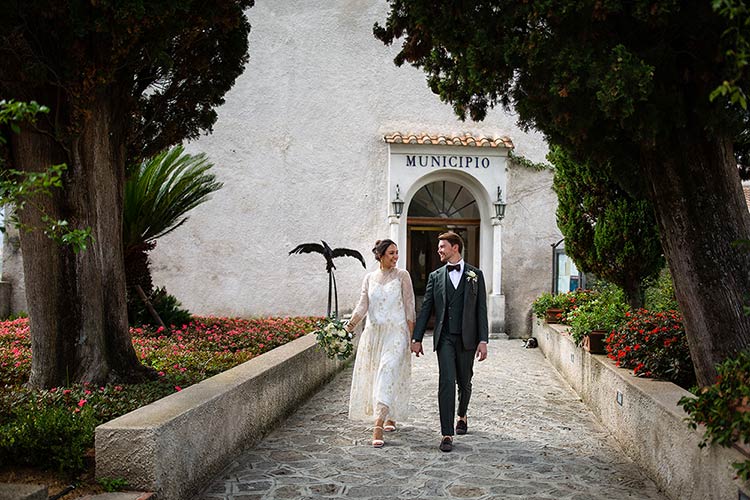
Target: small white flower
x=471 y=276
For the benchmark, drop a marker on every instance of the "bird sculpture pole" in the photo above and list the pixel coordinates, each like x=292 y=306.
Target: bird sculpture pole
x=329 y=254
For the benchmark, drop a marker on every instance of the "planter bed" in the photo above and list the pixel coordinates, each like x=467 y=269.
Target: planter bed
x=175 y=445
x=643 y=416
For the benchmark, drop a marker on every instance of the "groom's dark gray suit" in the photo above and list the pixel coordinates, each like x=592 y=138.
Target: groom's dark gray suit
x=460 y=325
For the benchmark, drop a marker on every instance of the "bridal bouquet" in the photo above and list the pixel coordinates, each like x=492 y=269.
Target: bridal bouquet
x=333 y=338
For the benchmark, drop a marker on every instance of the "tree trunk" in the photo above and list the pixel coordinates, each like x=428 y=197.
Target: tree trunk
x=137 y=273
x=79 y=330
x=633 y=293
x=701 y=212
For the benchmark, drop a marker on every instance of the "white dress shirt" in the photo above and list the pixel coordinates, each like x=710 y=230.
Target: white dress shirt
x=455 y=276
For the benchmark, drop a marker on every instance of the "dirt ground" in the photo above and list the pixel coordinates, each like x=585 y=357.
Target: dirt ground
x=85 y=483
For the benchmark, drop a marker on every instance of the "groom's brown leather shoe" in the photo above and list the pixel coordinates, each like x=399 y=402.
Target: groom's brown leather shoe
x=446 y=444
x=461 y=427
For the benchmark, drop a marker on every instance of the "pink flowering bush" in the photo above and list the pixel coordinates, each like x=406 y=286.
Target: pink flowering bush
x=654 y=345
x=15 y=351
x=54 y=428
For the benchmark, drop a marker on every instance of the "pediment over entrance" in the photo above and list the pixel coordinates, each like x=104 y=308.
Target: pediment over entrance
x=449 y=140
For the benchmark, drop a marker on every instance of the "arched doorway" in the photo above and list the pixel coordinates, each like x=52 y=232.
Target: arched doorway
x=438 y=207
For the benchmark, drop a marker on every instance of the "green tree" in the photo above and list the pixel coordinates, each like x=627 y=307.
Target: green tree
x=19 y=188
x=158 y=195
x=614 y=80
x=607 y=231
x=123 y=81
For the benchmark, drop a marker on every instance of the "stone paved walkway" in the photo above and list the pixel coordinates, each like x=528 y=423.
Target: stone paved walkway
x=530 y=437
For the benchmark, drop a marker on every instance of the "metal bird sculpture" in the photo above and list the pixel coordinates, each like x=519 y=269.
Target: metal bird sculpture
x=329 y=255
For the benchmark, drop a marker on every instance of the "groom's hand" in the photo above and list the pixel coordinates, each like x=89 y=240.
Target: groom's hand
x=482 y=351
x=416 y=348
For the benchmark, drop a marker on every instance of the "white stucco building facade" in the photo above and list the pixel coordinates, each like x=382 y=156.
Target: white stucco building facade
x=311 y=144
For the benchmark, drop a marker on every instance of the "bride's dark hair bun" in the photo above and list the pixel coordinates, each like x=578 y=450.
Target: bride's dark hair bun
x=380 y=247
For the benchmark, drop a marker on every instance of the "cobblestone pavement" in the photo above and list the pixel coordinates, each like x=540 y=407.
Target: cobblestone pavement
x=529 y=437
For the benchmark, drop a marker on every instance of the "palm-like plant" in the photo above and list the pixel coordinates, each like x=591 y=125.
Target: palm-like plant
x=158 y=195
x=329 y=254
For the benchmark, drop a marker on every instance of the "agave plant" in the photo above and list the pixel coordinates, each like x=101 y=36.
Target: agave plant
x=158 y=195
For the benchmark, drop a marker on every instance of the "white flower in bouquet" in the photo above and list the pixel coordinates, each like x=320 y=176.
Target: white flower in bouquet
x=334 y=339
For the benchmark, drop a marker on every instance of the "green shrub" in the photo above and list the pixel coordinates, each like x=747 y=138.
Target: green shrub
x=724 y=408
x=566 y=302
x=606 y=311
x=166 y=306
x=659 y=293
x=48 y=437
x=111 y=485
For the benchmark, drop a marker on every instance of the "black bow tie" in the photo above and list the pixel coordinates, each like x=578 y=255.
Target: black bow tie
x=457 y=267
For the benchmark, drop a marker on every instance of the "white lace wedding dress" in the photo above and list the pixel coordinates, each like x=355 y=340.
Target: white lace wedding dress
x=382 y=369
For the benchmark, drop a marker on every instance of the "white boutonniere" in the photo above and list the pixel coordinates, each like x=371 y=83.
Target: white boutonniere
x=471 y=276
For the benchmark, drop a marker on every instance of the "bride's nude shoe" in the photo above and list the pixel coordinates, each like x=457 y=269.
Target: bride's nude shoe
x=377 y=443
x=390 y=426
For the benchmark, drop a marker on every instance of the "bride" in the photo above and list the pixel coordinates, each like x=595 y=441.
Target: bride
x=382 y=370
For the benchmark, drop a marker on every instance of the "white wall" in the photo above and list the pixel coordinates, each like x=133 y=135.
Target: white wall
x=299 y=146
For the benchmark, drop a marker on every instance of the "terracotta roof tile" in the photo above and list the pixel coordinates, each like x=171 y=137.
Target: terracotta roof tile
x=449 y=140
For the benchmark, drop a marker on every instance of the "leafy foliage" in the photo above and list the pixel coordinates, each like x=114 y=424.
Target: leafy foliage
x=548 y=301
x=525 y=162
x=18 y=188
x=158 y=195
x=623 y=84
x=161 y=191
x=606 y=311
x=47 y=436
x=566 y=302
x=166 y=306
x=166 y=64
x=601 y=77
x=54 y=428
x=724 y=408
x=607 y=231
x=113 y=484
x=653 y=344
x=659 y=295
x=737 y=36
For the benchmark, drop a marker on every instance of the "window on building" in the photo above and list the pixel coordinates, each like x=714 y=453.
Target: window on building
x=566 y=276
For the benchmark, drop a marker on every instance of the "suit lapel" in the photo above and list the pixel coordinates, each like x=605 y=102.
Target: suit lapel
x=444 y=284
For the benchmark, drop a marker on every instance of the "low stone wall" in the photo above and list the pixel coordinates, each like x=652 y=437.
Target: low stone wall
x=643 y=416
x=174 y=446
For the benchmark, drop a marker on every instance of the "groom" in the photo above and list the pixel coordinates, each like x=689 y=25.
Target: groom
x=457 y=294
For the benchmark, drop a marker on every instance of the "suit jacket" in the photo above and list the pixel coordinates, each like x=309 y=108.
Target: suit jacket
x=474 y=325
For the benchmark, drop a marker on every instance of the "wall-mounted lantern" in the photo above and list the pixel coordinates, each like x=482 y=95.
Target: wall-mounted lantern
x=398 y=204
x=499 y=205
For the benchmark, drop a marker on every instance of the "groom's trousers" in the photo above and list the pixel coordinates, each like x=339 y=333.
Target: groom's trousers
x=456 y=367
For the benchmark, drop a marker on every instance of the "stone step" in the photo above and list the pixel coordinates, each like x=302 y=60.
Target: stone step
x=10 y=491
x=123 y=495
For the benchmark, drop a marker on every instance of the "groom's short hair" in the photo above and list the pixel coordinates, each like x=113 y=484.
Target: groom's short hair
x=453 y=239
